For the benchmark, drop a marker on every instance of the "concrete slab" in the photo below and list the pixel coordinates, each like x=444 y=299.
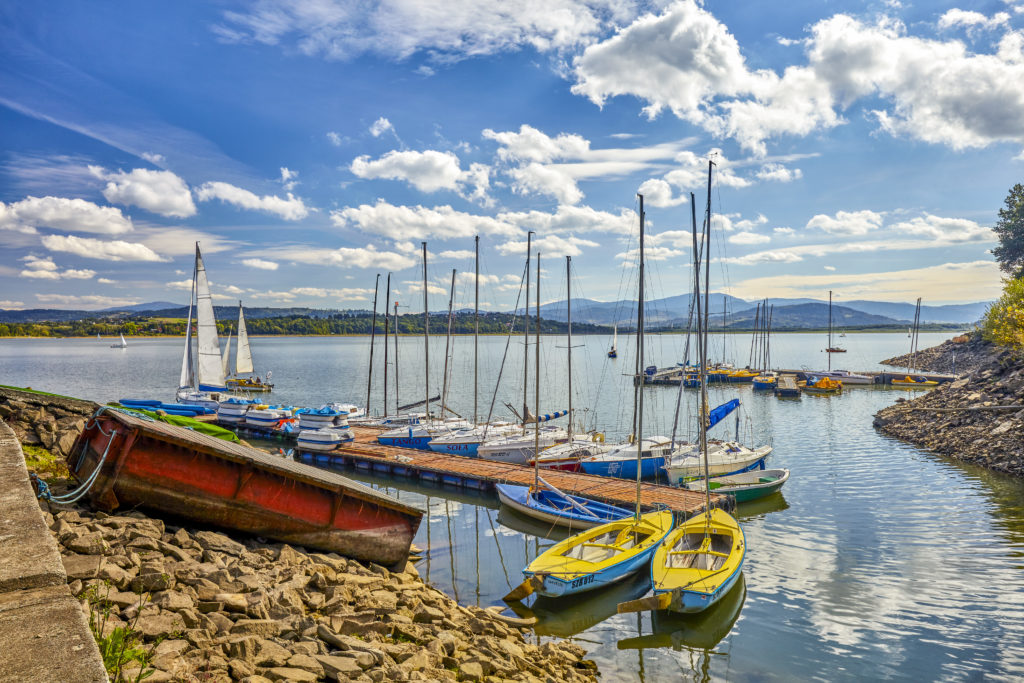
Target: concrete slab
x=46 y=637
x=29 y=556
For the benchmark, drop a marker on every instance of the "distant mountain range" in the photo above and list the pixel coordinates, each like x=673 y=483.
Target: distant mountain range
x=671 y=311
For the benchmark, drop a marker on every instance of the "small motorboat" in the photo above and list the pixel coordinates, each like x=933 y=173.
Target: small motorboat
x=233 y=410
x=267 y=417
x=324 y=417
x=567 y=456
x=914 y=382
x=327 y=439
x=743 y=375
x=518 y=448
x=746 y=486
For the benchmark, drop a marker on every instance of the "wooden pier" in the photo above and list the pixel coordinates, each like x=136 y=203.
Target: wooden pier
x=673 y=375
x=476 y=473
x=786 y=386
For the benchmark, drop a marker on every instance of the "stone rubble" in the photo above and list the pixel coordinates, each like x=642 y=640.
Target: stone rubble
x=215 y=608
x=222 y=610
x=993 y=439
x=960 y=355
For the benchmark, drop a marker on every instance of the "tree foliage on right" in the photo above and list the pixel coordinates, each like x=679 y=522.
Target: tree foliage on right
x=1010 y=231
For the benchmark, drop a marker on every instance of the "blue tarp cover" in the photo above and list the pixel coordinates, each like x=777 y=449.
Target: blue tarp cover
x=719 y=413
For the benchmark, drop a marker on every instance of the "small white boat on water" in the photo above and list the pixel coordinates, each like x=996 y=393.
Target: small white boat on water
x=724 y=457
x=122 y=345
x=267 y=417
x=519 y=448
x=467 y=441
x=323 y=439
x=324 y=417
x=844 y=376
x=233 y=410
x=419 y=435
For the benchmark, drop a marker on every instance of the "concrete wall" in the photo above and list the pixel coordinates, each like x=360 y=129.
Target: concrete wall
x=43 y=630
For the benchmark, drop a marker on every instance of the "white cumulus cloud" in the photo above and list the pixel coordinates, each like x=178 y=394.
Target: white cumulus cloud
x=61 y=213
x=160 y=192
x=290 y=208
x=259 y=264
x=427 y=171
x=418 y=222
x=87 y=247
x=847 y=222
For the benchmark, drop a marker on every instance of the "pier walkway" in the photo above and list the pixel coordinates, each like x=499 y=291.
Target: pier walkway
x=476 y=473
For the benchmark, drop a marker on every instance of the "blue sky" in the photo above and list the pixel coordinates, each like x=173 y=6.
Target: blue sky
x=860 y=147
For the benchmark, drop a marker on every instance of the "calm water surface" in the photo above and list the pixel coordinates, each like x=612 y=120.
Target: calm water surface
x=877 y=561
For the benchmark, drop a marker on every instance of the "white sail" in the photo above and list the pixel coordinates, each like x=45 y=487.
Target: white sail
x=124 y=344
x=227 y=352
x=615 y=336
x=243 y=354
x=210 y=374
x=188 y=378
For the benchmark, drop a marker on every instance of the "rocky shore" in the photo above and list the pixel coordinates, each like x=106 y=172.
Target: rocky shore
x=978 y=418
x=209 y=607
x=960 y=355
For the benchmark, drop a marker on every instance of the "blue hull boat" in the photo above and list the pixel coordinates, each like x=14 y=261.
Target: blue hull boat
x=559 y=508
x=420 y=442
x=625 y=468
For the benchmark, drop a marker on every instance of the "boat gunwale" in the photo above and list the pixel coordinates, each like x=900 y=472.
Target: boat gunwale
x=252 y=457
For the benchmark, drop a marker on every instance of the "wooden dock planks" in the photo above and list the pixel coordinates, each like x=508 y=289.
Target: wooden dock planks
x=487 y=472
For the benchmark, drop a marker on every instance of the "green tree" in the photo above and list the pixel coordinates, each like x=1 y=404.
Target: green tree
x=1010 y=231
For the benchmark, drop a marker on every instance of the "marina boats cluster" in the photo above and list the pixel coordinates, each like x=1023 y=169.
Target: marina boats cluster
x=693 y=561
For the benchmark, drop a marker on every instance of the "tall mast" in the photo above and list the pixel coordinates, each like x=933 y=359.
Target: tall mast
x=447 y=343
x=188 y=375
x=568 y=348
x=694 y=300
x=639 y=432
x=751 y=359
x=396 y=358
x=526 y=327
x=476 y=324
x=373 y=330
x=768 y=339
x=387 y=298
x=703 y=364
x=426 y=337
x=828 y=350
x=536 y=384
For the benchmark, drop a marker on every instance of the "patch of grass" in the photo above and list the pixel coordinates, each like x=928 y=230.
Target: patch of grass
x=123 y=645
x=45 y=464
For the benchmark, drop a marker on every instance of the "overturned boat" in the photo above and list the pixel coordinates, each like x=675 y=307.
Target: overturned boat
x=125 y=460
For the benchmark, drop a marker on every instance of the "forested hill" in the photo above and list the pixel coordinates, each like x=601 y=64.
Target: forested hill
x=338 y=324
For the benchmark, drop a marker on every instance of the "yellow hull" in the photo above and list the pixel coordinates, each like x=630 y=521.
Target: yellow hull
x=698 y=562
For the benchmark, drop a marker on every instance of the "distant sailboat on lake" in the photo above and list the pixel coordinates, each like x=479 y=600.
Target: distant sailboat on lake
x=243 y=362
x=122 y=345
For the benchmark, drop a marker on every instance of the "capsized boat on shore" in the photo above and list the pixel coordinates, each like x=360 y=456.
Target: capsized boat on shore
x=130 y=461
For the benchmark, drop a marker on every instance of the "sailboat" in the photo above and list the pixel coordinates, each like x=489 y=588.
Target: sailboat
x=701 y=559
x=614 y=352
x=542 y=500
x=201 y=381
x=122 y=345
x=830 y=348
x=610 y=552
x=243 y=362
x=909 y=380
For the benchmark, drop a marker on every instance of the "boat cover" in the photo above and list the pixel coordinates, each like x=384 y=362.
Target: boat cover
x=720 y=413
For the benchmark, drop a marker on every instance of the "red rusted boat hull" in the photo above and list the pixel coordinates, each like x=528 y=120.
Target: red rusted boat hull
x=178 y=471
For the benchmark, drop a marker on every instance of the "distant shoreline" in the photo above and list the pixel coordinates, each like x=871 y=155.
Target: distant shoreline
x=626 y=333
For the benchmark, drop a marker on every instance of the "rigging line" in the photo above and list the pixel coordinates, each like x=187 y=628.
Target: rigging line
x=504 y=357
x=501 y=557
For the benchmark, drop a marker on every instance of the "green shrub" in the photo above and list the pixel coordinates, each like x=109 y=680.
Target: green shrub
x=121 y=646
x=1004 y=322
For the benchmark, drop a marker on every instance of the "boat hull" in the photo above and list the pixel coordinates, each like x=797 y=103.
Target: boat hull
x=679 y=473
x=420 y=442
x=177 y=471
x=746 y=486
x=623 y=469
x=454 y=448
x=518 y=498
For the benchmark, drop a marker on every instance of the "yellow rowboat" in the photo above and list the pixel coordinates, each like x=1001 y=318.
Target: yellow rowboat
x=695 y=566
x=248 y=384
x=595 y=558
x=909 y=381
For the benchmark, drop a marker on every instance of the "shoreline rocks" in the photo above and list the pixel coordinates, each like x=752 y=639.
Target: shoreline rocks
x=212 y=607
x=978 y=418
x=216 y=609
x=960 y=355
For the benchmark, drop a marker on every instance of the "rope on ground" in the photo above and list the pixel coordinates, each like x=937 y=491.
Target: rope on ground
x=43 y=490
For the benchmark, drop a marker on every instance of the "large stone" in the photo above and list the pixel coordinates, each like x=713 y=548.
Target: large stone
x=155 y=581
x=282 y=673
x=82 y=566
x=214 y=542
x=338 y=668
x=302 y=661
x=162 y=625
x=269 y=653
x=233 y=602
x=115 y=575
x=471 y=671
x=90 y=543
x=174 y=601
x=256 y=627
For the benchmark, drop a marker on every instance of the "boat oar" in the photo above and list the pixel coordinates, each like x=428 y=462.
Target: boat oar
x=648 y=604
x=524 y=589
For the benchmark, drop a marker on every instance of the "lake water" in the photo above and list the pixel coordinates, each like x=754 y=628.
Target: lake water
x=877 y=560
